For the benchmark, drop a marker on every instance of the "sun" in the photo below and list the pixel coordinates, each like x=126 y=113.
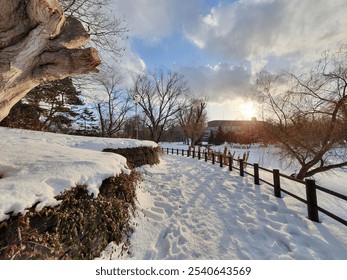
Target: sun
x=248 y=109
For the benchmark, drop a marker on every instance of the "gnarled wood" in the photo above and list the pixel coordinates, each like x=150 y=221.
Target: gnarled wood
x=38 y=44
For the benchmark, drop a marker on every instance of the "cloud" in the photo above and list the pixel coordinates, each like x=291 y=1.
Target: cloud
x=219 y=83
x=151 y=20
x=258 y=29
x=131 y=64
x=127 y=65
x=246 y=36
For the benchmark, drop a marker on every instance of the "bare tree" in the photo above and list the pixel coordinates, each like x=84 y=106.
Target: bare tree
x=306 y=114
x=111 y=102
x=37 y=44
x=106 y=30
x=193 y=118
x=161 y=96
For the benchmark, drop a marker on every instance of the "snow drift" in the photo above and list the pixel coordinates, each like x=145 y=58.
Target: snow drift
x=35 y=167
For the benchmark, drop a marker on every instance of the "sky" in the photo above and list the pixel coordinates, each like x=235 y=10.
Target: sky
x=219 y=45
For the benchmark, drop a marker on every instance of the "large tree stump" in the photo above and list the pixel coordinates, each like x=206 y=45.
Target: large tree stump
x=38 y=44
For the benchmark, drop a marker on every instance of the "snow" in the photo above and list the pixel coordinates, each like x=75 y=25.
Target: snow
x=190 y=209
x=270 y=158
x=37 y=166
x=186 y=208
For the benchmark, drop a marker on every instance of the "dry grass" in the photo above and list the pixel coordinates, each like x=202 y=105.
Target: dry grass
x=138 y=156
x=80 y=228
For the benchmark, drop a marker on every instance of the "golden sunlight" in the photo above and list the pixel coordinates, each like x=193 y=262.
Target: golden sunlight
x=248 y=110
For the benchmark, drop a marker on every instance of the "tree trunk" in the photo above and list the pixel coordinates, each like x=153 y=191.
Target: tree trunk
x=302 y=172
x=38 y=44
x=102 y=122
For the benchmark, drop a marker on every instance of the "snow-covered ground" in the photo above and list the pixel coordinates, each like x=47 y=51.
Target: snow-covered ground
x=189 y=209
x=37 y=166
x=270 y=158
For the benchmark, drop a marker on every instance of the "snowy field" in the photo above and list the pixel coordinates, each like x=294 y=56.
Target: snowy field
x=36 y=166
x=189 y=209
x=270 y=158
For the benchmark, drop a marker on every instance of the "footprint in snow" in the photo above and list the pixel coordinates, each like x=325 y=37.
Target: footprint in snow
x=152 y=215
x=171 y=242
x=166 y=207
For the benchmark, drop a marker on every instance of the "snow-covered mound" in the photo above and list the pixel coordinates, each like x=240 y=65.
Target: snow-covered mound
x=37 y=166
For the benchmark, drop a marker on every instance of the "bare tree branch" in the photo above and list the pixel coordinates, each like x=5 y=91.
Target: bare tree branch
x=162 y=95
x=308 y=116
x=110 y=101
x=192 y=119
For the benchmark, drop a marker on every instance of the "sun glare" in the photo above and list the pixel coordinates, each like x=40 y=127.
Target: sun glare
x=249 y=110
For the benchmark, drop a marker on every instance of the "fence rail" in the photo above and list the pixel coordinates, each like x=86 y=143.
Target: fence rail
x=311 y=187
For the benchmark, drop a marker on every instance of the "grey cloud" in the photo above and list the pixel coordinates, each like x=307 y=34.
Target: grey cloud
x=220 y=83
x=151 y=20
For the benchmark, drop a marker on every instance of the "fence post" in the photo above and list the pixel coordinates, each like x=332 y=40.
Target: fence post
x=213 y=158
x=199 y=154
x=277 y=183
x=182 y=152
x=193 y=151
x=230 y=163
x=205 y=156
x=221 y=160
x=242 y=173
x=177 y=151
x=311 y=197
x=256 y=173
x=188 y=153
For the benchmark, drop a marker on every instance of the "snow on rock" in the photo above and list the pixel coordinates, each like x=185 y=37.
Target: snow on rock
x=190 y=209
x=36 y=166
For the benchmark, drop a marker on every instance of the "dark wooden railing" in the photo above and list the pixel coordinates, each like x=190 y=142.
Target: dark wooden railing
x=311 y=187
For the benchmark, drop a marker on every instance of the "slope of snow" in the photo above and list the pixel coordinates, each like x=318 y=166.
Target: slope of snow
x=36 y=166
x=189 y=209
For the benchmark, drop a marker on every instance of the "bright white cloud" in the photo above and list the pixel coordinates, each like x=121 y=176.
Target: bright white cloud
x=210 y=20
x=258 y=29
x=235 y=109
x=127 y=65
x=131 y=65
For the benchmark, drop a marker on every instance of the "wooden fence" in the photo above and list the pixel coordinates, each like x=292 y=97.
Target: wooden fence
x=224 y=159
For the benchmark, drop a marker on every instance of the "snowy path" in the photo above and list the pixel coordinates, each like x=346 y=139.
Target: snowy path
x=189 y=209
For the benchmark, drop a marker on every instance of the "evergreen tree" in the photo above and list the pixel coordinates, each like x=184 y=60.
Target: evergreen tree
x=211 y=137
x=48 y=107
x=86 y=123
x=23 y=115
x=220 y=136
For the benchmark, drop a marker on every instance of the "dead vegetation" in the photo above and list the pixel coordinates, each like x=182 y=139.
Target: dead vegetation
x=82 y=225
x=80 y=228
x=138 y=156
